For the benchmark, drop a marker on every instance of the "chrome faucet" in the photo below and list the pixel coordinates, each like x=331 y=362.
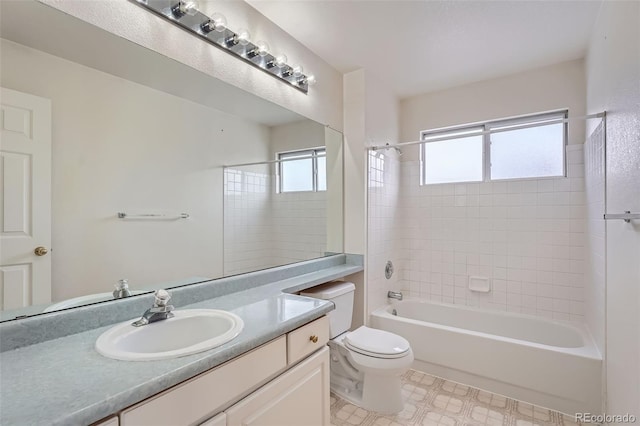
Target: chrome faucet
x=394 y=295
x=122 y=289
x=160 y=310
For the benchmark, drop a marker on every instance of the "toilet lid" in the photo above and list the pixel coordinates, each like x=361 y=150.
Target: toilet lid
x=376 y=343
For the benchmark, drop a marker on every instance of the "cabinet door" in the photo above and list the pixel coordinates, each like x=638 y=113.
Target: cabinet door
x=299 y=397
x=219 y=420
x=112 y=421
x=204 y=395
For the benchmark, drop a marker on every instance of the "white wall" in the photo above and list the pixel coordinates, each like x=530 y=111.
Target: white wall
x=295 y=136
x=120 y=146
x=544 y=89
x=371 y=118
x=613 y=76
x=132 y=22
x=381 y=126
x=354 y=102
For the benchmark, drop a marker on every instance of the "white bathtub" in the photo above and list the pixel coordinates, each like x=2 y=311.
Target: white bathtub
x=544 y=362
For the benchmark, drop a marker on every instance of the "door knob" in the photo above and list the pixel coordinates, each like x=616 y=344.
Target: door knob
x=41 y=251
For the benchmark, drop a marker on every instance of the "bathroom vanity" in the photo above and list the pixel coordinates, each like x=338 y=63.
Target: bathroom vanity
x=51 y=374
x=289 y=377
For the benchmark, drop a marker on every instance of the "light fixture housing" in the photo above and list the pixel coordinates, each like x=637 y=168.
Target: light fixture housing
x=217 y=22
x=213 y=29
x=184 y=7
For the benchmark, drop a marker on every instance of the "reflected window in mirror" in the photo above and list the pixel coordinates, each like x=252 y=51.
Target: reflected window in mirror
x=303 y=170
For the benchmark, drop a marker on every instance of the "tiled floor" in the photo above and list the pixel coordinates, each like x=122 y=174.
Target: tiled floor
x=432 y=401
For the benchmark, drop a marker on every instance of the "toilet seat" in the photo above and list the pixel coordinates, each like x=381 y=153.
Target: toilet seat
x=376 y=343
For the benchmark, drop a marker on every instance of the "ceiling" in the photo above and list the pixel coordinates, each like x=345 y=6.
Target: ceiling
x=424 y=46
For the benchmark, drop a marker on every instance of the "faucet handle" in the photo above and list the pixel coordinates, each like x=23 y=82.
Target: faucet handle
x=162 y=298
x=122 y=284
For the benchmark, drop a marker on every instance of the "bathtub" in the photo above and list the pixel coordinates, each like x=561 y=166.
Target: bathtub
x=544 y=362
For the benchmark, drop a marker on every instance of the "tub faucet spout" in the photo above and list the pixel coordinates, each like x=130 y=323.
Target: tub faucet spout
x=394 y=295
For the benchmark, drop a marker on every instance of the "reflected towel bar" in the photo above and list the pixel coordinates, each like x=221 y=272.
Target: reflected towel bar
x=627 y=216
x=152 y=216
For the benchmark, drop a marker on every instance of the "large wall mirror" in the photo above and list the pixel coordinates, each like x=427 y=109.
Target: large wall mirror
x=209 y=180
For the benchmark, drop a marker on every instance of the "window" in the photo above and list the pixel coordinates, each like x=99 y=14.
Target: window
x=454 y=160
x=527 y=147
x=304 y=170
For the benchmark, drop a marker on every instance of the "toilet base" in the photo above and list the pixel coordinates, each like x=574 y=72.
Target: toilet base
x=347 y=389
x=381 y=393
x=368 y=382
x=368 y=395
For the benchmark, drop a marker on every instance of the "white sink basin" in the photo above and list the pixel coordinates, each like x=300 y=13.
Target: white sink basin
x=188 y=332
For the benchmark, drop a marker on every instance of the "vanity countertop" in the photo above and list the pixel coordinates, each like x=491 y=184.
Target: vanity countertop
x=64 y=381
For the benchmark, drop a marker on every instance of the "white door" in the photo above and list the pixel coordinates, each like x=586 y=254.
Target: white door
x=25 y=197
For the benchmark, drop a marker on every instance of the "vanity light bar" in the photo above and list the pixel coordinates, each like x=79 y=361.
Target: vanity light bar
x=184 y=13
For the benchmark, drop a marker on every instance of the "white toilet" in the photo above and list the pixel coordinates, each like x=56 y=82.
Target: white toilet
x=366 y=364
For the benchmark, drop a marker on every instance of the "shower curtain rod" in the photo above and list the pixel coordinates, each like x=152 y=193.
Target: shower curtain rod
x=602 y=115
x=257 y=163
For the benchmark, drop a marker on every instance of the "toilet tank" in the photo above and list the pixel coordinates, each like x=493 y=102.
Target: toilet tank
x=341 y=294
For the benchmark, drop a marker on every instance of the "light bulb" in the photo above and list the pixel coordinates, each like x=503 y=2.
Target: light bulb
x=280 y=61
x=311 y=80
x=262 y=48
x=243 y=37
x=297 y=71
x=217 y=22
x=185 y=7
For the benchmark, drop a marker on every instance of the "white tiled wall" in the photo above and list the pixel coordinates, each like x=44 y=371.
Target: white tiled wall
x=596 y=244
x=299 y=226
x=247 y=221
x=264 y=229
x=383 y=241
x=526 y=236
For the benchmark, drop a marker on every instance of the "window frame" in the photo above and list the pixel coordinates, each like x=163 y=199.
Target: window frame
x=311 y=153
x=443 y=132
x=486 y=126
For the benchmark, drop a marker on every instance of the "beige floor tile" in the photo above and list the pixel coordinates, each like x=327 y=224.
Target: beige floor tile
x=524 y=409
x=436 y=419
x=448 y=403
x=568 y=420
x=492 y=399
x=487 y=416
x=455 y=388
x=413 y=393
x=542 y=414
x=432 y=401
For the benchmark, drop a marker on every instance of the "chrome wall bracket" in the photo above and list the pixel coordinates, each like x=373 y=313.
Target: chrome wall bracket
x=627 y=216
x=197 y=24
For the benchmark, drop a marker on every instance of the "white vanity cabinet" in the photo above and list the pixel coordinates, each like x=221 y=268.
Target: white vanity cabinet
x=288 y=378
x=299 y=397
